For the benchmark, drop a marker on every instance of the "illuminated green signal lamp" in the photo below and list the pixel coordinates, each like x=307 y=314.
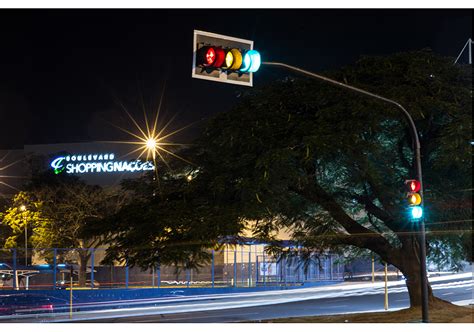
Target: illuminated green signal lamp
x=251 y=62
x=416 y=212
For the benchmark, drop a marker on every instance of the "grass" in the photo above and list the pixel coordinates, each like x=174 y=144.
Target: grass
x=444 y=314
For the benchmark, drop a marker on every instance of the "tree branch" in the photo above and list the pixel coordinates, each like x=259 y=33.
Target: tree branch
x=360 y=236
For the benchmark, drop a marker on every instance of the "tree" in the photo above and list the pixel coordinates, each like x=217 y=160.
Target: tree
x=330 y=165
x=24 y=212
x=169 y=221
x=57 y=208
x=5 y=231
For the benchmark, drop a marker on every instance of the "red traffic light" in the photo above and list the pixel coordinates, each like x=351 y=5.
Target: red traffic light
x=413 y=185
x=211 y=56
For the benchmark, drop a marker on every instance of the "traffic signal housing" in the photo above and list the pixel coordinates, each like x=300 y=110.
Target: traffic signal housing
x=215 y=57
x=224 y=58
x=414 y=199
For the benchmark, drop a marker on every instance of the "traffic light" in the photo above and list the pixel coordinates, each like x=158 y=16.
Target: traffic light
x=224 y=59
x=232 y=59
x=414 y=199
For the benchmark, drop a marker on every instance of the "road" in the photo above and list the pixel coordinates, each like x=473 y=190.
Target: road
x=328 y=300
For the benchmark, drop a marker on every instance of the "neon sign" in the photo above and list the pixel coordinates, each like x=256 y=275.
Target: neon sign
x=98 y=163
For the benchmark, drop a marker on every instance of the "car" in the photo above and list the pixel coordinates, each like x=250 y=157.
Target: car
x=65 y=284
x=18 y=304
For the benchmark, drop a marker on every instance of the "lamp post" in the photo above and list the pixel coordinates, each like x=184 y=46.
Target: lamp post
x=23 y=209
x=414 y=134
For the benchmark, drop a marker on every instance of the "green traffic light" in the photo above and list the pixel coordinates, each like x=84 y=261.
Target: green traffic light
x=416 y=212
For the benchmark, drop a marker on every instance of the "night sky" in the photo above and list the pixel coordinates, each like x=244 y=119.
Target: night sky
x=62 y=71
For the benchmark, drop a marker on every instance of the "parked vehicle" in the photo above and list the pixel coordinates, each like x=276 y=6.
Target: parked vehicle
x=18 y=304
x=65 y=284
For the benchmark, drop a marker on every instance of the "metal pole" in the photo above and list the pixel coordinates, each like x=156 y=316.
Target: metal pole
x=158 y=276
x=187 y=278
x=235 y=267
x=373 y=269
x=414 y=134
x=386 y=289
x=26 y=242
x=331 y=267
x=55 y=266
x=256 y=269
x=70 y=291
x=126 y=273
x=15 y=272
x=470 y=51
x=265 y=268
x=242 y=267
x=212 y=269
x=152 y=278
x=92 y=268
x=469 y=45
x=250 y=267
x=318 y=272
x=301 y=269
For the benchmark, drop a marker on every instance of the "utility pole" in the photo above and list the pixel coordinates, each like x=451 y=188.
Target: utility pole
x=386 y=288
x=373 y=269
x=469 y=47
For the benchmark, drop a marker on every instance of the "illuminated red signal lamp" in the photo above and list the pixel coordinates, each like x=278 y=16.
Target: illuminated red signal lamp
x=414 y=185
x=414 y=198
x=211 y=56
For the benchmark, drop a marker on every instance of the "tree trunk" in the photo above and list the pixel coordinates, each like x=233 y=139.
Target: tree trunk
x=410 y=266
x=412 y=273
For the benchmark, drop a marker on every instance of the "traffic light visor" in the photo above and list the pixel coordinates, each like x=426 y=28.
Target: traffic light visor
x=237 y=59
x=246 y=62
x=220 y=57
x=255 y=61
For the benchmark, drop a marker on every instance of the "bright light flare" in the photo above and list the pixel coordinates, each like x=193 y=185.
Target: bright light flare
x=151 y=143
x=153 y=139
x=3 y=174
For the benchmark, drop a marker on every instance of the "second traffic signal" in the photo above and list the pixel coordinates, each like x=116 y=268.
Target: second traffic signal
x=414 y=199
x=229 y=59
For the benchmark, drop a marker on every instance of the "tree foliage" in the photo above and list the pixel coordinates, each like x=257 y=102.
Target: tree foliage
x=330 y=165
x=57 y=207
x=170 y=220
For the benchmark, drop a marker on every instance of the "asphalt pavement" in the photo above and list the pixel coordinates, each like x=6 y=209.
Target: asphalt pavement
x=347 y=297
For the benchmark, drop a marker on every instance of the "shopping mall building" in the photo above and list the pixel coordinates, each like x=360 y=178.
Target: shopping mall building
x=97 y=163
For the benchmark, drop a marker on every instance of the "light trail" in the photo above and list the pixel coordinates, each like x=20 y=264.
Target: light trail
x=184 y=304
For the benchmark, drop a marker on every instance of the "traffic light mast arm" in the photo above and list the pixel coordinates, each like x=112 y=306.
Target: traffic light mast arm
x=414 y=133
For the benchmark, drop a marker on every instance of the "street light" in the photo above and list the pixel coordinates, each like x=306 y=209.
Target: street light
x=151 y=144
x=23 y=209
x=414 y=134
